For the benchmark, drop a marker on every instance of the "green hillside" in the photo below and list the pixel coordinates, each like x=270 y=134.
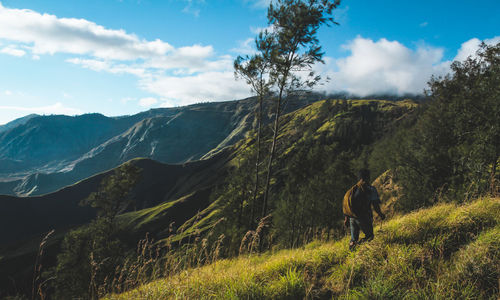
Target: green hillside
x=443 y=252
x=195 y=213
x=183 y=195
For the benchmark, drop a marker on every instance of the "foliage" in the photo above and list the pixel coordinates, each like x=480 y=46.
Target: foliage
x=320 y=148
x=453 y=150
x=289 y=51
x=112 y=197
x=240 y=209
x=91 y=253
x=88 y=255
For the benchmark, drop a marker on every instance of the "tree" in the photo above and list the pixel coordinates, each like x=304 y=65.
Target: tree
x=453 y=150
x=91 y=253
x=255 y=70
x=294 y=51
x=112 y=197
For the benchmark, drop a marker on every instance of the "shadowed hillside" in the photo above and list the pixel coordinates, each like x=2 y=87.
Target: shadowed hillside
x=183 y=188
x=159 y=183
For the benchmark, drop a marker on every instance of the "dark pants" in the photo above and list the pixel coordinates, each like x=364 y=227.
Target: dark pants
x=364 y=224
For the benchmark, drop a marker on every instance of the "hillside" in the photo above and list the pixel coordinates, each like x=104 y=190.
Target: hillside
x=179 y=194
x=162 y=183
x=45 y=153
x=16 y=122
x=159 y=183
x=447 y=251
x=24 y=221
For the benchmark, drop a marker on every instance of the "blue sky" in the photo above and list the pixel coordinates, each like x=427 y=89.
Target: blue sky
x=121 y=57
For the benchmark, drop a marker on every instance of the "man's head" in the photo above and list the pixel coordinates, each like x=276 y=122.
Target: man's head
x=364 y=174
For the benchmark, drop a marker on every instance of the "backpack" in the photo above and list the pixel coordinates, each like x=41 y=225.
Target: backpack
x=355 y=203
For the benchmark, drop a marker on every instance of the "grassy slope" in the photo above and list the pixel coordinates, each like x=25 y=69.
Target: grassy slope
x=443 y=252
x=157 y=219
x=182 y=193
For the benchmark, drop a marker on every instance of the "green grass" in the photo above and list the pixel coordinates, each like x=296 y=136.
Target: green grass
x=444 y=252
x=141 y=218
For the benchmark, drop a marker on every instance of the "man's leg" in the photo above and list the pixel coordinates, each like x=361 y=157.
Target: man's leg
x=366 y=226
x=354 y=230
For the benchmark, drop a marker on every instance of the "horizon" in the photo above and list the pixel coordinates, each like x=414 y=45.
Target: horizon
x=335 y=96
x=123 y=57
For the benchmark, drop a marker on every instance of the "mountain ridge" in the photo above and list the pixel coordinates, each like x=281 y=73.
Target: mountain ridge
x=168 y=135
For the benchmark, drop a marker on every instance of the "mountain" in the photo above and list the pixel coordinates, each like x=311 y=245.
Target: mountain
x=46 y=143
x=167 y=182
x=159 y=183
x=179 y=194
x=50 y=152
x=17 y=122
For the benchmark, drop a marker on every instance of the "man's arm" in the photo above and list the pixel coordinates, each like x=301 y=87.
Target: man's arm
x=376 y=207
x=376 y=203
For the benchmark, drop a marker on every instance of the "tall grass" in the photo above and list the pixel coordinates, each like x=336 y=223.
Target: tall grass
x=158 y=259
x=443 y=252
x=38 y=284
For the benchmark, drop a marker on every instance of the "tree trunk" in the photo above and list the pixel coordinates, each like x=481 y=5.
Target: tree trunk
x=257 y=163
x=271 y=155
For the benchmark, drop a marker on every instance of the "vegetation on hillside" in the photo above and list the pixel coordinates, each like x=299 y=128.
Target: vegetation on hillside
x=320 y=148
x=452 y=151
x=282 y=237
x=444 y=252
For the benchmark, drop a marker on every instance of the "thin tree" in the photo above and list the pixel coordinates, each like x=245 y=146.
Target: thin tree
x=255 y=71
x=295 y=50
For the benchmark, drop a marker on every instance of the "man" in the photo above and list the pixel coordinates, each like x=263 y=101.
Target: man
x=357 y=208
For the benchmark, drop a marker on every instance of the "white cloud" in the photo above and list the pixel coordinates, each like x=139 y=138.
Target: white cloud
x=423 y=24
x=108 y=66
x=208 y=86
x=383 y=67
x=147 y=102
x=192 y=7
x=189 y=60
x=470 y=47
x=47 y=34
x=7 y=93
x=11 y=50
x=56 y=109
x=180 y=75
x=185 y=75
x=260 y=3
x=245 y=47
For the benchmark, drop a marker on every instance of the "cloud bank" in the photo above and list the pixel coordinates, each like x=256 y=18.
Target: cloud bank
x=376 y=67
x=194 y=73
x=95 y=47
x=389 y=67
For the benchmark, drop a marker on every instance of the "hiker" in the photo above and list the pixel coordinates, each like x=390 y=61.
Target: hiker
x=357 y=208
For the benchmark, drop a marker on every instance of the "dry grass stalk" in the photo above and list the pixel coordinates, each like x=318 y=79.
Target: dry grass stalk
x=37 y=272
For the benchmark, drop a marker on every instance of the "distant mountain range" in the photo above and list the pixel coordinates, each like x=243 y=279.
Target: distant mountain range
x=41 y=154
